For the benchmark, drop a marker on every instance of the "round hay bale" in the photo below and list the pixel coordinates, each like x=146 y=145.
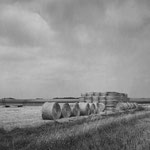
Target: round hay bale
x=132 y=105
x=144 y=107
x=103 y=94
x=96 y=94
x=65 y=110
x=84 y=109
x=75 y=109
x=51 y=111
x=96 y=106
x=90 y=93
x=92 y=108
x=129 y=105
x=122 y=106
x=136 y=105
x=111 y=97
x=113 y=94
x=101 y=107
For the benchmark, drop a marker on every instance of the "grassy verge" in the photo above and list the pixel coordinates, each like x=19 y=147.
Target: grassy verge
x=125 y=132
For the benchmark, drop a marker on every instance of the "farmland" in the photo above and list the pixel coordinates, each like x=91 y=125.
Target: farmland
x=25 y=129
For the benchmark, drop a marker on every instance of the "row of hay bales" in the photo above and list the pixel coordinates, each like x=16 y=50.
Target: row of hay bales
x=99 y=96
x=126 y=106
x=54 y=110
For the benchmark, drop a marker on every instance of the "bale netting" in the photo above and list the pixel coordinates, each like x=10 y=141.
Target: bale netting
x=92 y=108
x=65 y=110
x=84 y=109
x=75 y=109
x=51 y=111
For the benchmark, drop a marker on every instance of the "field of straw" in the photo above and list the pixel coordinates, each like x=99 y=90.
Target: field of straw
x=129 y=131
x=27 y=116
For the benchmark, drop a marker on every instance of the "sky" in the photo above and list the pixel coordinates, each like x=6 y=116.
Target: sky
x=54 y=48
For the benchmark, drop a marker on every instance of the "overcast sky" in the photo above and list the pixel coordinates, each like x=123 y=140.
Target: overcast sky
x=54 y=48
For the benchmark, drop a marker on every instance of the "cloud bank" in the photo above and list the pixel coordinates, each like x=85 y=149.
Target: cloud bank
x=65 y=47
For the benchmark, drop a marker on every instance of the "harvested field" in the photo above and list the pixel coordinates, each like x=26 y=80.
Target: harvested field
x=126 y=131
x=27 y=116
x=20 y=117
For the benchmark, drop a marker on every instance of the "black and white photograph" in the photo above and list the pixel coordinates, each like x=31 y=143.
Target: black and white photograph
x=74 y=74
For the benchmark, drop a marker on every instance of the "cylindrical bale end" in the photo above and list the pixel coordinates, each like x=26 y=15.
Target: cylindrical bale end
x=92 y=108
x=84 y=109
x=100 y=107
x=65 y=110
x=51 y=111
x=96 y=106
x=122 y=106
x=75 y=109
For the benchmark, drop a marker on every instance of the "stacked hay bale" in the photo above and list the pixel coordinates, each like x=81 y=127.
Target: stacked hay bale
x=90 y=97
x=123 y=97
x=109 y=99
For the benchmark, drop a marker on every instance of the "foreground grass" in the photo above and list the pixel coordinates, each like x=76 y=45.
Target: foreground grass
x=125 y=132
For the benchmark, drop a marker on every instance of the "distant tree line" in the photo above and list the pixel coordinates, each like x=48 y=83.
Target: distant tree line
x=65 y=97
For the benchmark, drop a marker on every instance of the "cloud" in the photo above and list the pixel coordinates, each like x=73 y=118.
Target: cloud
x=129 y=14
x=21 y=27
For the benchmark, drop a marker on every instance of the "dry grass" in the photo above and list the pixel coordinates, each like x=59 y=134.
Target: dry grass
x=20 y=117
x=125 y=132
x=27 y=116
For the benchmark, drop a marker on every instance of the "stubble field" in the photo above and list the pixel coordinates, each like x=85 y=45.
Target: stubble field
x=129 y=131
